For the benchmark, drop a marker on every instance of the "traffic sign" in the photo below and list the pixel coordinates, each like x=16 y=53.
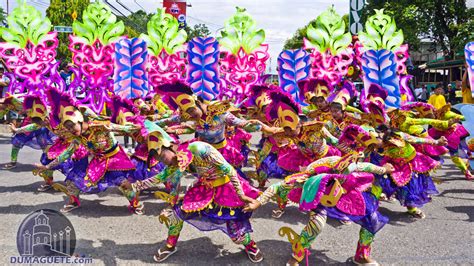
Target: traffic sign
x=66 y=29
x=354 y=16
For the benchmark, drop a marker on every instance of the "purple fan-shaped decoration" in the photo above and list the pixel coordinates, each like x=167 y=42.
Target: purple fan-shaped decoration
x=203 y=67
x=380 y=68
x=293 y=66
x=469 y=52
x=130 y=76
x=405 y=87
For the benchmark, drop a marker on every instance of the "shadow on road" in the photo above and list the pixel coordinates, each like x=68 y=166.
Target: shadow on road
x=19 y=168
x=201 y=250
x=396 y=218
x=469 y=210
x=28 y=188
x=456 y=191
x=291 y=216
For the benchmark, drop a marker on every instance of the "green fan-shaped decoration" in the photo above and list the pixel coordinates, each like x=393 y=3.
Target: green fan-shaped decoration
x=25 y=23
x=381 y=32
x=98 y=22
x=329 y=32
x=240 y=30
x=164 y=33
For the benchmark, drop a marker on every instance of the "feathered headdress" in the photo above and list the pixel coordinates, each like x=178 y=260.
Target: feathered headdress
x=314 y=88
x=284 y=109
x=178 y=96
x=122 y=110
x=344 y=95
x=424 y=110
x=63 y=108
x=35 y=106
x=259 y=95
x=375 y=103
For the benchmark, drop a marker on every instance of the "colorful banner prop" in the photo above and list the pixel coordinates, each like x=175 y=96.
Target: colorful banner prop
x=30 y=48
x=165 y=42
x=330 y=46
x=244 y=55
x=92 y=46
x=469 y=53
x=293 y=66
x=203 y=67
x=130 y=75
x=379 y=61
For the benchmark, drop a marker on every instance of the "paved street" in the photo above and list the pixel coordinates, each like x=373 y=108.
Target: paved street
x=111 y=236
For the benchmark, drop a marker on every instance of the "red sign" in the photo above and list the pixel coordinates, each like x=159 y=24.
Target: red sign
x=177 y=8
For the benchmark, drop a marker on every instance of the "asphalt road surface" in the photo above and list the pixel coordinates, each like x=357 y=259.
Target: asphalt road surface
x=108 y=233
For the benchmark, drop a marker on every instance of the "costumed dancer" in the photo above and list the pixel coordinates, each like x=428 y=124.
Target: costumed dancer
x=456 y=135
x=411 y=119
x=410 y=182
x=338 y=187
x=300 y=143
x=210 y=120
x=266 y=157
x=36 y=110
x=29 y=134
x=315 y=93
x=214 y=202
x=126 y=113
x=404 y=119
x=341 y=116
x=110 y=165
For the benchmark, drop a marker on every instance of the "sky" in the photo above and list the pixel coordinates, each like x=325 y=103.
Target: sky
x=279 y=18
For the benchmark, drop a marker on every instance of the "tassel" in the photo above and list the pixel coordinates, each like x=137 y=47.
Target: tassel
x=232 y=212
x=220 y=212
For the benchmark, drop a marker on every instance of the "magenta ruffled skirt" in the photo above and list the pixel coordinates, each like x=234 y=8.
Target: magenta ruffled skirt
x=410 y=182
x=226 y=212
x=454 y=135
x=109 y=170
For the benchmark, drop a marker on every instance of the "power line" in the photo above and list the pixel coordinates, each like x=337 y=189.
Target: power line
x=141 y=7
x=204 y=21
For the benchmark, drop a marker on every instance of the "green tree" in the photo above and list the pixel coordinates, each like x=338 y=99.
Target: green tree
x=199 y=30
x=296 y=41
x=408 y=16
x=136 y=23
x=60 y=13
x=3 y=16
x=444 y=22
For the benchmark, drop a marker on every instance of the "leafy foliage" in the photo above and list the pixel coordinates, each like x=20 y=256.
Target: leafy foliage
x=447 y=22
x=381 y=32
x=240 y=31
x=328 y=33
x=164 y=33
x=199 y=30
x=98 y=24
x=60 y=13
x=3 y=17
x=136 y=23
x=25 y=23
